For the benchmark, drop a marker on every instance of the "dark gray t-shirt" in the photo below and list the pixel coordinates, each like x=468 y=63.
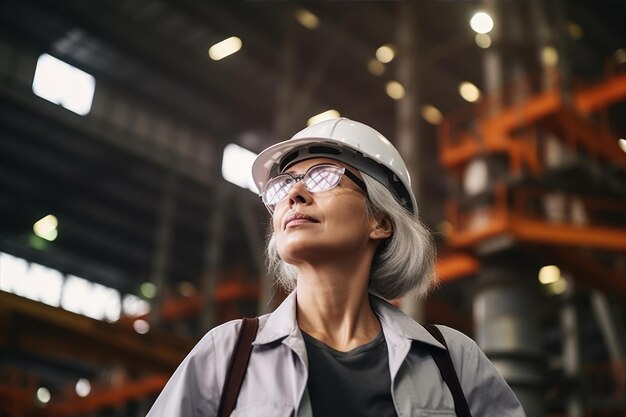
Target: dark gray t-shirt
x=354 y=383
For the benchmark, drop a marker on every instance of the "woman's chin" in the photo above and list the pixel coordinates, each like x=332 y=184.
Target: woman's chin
x=298 y=252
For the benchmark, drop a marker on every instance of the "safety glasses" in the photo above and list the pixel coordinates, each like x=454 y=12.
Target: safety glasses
x=318 y=178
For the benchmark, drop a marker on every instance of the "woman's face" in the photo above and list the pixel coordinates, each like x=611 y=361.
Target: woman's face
x=318 y=226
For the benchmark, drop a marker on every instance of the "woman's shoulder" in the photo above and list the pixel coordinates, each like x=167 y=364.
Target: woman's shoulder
x=462 y=348
x=456 y=337
x=223 y=336
x=486 y=391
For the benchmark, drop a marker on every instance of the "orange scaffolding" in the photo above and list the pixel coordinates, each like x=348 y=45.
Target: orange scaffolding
x=488 y=128
x=567 y=228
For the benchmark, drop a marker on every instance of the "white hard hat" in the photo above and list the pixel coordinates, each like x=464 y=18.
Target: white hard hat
x=351 y=142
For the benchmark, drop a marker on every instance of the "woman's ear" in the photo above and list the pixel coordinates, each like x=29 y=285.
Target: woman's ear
x=382 y=227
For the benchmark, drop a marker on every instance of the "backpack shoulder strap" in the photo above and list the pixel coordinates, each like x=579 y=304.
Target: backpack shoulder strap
x=238 y=366
x=444 y=363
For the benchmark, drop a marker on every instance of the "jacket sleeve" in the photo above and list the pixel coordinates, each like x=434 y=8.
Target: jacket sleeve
x=195 y=388
x=487 y=393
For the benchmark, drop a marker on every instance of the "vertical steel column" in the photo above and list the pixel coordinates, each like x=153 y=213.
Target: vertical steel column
x=213 y=255
x=161 y=259
x=515 y=51
x=571 y=349
x=285 y=92
x=565 y=74
x=407 y=112
x=613 y=337
x=256 y=246
x=544 y=38
x=407 y=109
x=506 y=303
x=492 y=59
x=506 y=319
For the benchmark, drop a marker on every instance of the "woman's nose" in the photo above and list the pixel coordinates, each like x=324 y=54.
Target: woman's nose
x=299 y=195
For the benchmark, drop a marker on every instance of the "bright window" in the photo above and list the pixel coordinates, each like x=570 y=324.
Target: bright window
x=63 y=84
x=72 y=293
x=237 y=166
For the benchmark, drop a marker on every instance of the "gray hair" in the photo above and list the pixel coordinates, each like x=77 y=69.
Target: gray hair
x=403 y=264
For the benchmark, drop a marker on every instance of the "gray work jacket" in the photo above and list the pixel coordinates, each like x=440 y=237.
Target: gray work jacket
x=276 y=379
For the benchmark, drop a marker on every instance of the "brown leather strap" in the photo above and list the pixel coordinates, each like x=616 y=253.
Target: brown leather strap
x=238 y=366
x=446 y=367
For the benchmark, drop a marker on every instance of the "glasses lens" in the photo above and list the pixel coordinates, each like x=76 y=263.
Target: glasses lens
x=322 y=178
x=318 y=178
x=277 y=189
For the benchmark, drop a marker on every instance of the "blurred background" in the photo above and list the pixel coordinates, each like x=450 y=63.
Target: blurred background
x=129 y=225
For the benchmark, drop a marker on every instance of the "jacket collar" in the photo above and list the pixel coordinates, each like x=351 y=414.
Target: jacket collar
x=282 y=323
x=279 y=324
x=400 y=324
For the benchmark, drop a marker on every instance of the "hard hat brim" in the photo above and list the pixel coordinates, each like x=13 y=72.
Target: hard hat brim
x=268 y=158
x=270 y=162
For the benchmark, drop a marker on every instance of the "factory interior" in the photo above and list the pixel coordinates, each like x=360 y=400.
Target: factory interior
x=130 y=224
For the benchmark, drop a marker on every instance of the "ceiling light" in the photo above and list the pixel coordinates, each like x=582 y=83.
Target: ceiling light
x=307 y=19
x=395 y=90
x=83 y=387
x=327 y=115
x=224 y=48
x=141 y=326
x=46 y=228
x=549 y=56
x=133 y=306
x=549 y=274
x=469 y=91
x=237 y=166
x=432 y=114
x=148 y=290
x=63 y=84
x=622 y=144
x=376 y=67
x=385 y=54
x=481 y=22
x=483 y=40
x=43 y=395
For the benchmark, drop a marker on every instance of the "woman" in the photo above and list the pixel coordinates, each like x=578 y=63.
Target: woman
x=345 y=237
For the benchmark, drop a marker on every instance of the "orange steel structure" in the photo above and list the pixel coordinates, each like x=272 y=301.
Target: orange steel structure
x=452 y=266
x=490 y=128
x=18 y=402
x=515 y=214
x=107 y=397
x=566 y=228
x=41 y=330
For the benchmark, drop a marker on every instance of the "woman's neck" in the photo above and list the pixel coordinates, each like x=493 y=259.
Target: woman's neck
x=333 y=304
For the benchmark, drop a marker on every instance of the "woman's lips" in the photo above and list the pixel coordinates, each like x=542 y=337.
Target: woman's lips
x=297 y=222
x=298 y=219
